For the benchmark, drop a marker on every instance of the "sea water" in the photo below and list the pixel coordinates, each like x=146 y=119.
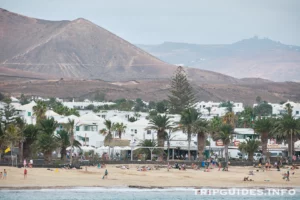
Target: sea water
x=128 y=194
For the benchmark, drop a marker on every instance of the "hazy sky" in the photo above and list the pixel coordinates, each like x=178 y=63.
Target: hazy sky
x=192 y=21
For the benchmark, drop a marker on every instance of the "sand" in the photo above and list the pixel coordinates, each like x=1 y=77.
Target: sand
x=43 y=178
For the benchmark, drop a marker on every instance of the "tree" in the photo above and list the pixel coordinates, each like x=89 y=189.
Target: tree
x=107 y=132
x=46 y=140
x=287 y=128
x=90 y=107
x=70 y=128
x=23 y=100
x=229 y=118
x=151 y=105
x=99 y=96
x=258 y=99
x=2 y=97
x=246 y=117
x=225 y=133
x=63 y=139
x=201 y=128
x=120 y=128
x=160 y=123
x=12 y=135
x=263 y=109
x=188 y=118
x=289 y=109
x=8 y=114
x=264 y=127
x=182 y=95
x=147 y=151
x=228 y=105
x=20 y=123
x=40 y=111
x=30 y=134
x=250 y=146
x=215 y=123
x=162 y=106
x=209 y=110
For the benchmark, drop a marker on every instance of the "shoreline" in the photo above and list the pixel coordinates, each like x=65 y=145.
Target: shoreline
x=132 y=187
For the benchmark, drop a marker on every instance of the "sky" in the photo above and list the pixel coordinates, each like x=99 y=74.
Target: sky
x=188 y=21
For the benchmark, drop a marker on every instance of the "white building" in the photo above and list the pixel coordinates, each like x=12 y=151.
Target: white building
x=85 y=103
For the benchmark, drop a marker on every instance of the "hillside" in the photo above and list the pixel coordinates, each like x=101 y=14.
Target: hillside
x=78 y=58
x=254 y=57
x=79 y=49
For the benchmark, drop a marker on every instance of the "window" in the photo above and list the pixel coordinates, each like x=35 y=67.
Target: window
x=148 y=132
x=297 y=112
x=240 y=136
x=77 y=128
x=29 y=114
x=135 y=131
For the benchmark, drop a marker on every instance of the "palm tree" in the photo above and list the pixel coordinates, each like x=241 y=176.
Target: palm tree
x=40 y=111
x=70 y=127
x=209 y=110
x=63 y=138
x=147 y=151
x=12 y=135
x=160 y=123
x=120 y=128
x=188 y=118
x=287 y=128
x=250 y=146
x=247 y=116
x=229 y=118
x=225 y=134
x=264 y=127
x=107 y=132
x=46 y=140
x=201 y=128
x=21 y=125
x=30 y=136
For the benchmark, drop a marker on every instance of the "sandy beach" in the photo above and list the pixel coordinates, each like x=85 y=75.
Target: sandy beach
x=43 y=178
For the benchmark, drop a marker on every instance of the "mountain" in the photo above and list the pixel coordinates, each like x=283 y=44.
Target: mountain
x=254 y=57
x=79 y=49
x=78 y=59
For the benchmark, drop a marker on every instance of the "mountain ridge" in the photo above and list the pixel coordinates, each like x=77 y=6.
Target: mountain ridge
x=258 y=57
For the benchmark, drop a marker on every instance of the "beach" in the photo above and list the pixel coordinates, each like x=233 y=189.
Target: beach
x=162 y=178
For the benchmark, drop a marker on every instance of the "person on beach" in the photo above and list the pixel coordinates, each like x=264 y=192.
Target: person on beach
x=105 y=174
x=24 y=163
x=4 y=174
x=25 y=173
x=0 y=175
x=267 y=166
x=288 y=175
x=220 y=165
x=31 y=163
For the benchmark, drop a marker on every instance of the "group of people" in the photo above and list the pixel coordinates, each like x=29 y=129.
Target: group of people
x=3 y=175
x=30 y=164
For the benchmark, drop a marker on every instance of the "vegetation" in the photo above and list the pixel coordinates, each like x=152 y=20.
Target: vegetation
x=120 y=128
x=107 y=132
x=147 y=151
x=264 y=127
x=263 y=109
x=160 y=123
x=46 y=140
x=63 y=139
x=224 y=133
x=228 y=105
x=250 y=147
x=201 y=127
x=187 y=120
x=182 y=95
